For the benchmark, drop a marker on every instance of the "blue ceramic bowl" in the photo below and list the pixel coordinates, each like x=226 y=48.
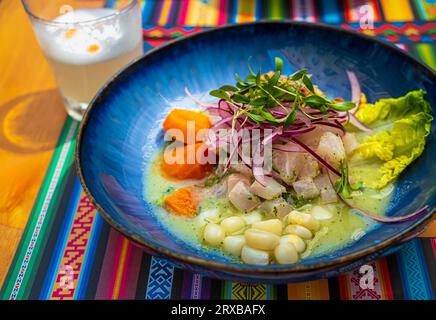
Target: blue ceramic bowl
x=120 y=131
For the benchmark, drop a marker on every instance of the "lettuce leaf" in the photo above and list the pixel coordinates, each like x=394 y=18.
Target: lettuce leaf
x=400 y=129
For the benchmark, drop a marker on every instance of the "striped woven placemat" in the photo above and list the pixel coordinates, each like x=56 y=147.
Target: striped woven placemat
x=67 y=251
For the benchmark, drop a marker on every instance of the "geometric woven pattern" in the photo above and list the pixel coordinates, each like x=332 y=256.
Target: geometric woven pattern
x=414 y=273
x=160 y=279
x=245 y=291
x=74 y=252
x=196 y=286
x=405 y=32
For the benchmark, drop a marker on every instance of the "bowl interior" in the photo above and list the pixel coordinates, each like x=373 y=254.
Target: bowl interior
x=122 y=131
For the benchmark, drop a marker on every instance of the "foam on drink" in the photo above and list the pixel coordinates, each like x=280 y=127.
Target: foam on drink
x=80 y=41
x=84 y=52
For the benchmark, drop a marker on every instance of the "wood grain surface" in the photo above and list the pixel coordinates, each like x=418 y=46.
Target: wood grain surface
x=31 y=117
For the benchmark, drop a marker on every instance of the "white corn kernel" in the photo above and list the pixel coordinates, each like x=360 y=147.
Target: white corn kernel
x=254 y=256
x=213 y=234
x=204 y=216
x=300 y=231
x=303 y=219
x=233 y=245
x=285 y=253
x=273 y=225
x=320 y=213
x=251 y=218
x=295 y=240
x=262 y=240
x=233 y=225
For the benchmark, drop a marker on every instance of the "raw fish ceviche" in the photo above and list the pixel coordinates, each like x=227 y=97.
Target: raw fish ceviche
x=272 y=170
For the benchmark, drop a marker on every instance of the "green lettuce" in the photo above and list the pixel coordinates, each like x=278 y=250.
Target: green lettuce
x=400 y=127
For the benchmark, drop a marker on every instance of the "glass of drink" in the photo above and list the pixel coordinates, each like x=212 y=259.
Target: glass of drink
x=86 y=42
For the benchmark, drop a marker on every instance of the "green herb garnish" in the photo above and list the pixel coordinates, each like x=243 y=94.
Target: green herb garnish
x=257 y=94
x=343 y=185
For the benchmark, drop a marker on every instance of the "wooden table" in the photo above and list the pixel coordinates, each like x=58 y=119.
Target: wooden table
x=31 y=116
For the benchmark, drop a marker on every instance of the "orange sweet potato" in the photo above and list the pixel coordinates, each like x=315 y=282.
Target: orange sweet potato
x=182 y=202
x=181 y=168
x=178 y=119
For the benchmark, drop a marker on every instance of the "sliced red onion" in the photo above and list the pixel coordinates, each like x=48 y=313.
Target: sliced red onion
x=375 y=216
x=342 y=121
x=221 y=122
x=233 y=153
x=278 y=115
x=275 y=133
x=279 y=110
x=330 y=124
x=305 y=119
x=222 y=104
x=243 y=159
x=215 y=111
x=290 y=132
x=203 y=104
x=339 y=115
x=356 y=94
x=259 y=175
x=287 y=148
x=276 y=138
x=359 y=125
x=355 y=90
x=228 y=106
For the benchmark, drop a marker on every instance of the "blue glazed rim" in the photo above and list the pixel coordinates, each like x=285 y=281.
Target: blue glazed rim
x=409 y=233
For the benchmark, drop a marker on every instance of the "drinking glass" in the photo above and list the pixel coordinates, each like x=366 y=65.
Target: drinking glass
x=86 y=42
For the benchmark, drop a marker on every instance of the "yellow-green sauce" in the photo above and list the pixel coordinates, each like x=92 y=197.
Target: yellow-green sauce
x=343 y=228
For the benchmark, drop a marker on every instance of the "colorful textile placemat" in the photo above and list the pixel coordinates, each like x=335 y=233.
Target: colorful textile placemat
x=69 y=252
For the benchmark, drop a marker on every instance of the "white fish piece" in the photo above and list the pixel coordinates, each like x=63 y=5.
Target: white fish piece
x=327 y=192
x=271 y=190
x=242 y=169
x=287 y=164
x=331 y=149
x=309 y=167
x=312 y=138
x=350 y=142
x=306 y=188
x=276 y=208
x=234 y=178
x=241 y=197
